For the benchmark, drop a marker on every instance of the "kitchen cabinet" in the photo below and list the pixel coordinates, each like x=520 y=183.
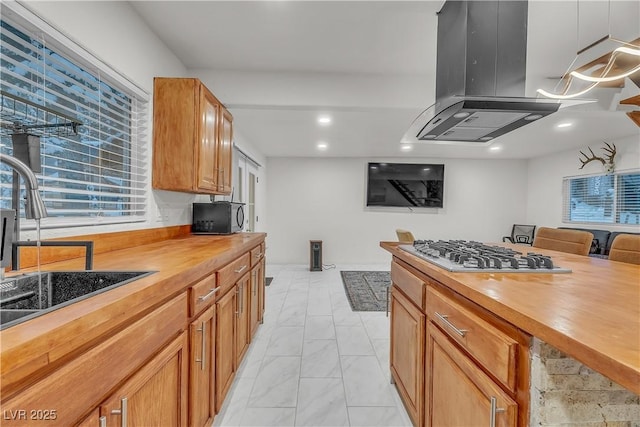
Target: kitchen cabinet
x=133 y=355
x=407 y=353
x=225 y=345
x=192 y=138
x=453 y=362
x=137 y=348
x=154 y=395
x=224 y=151
x=257 y=288
x=243 y=337
x=93 y=420
x=202 y=369
x=459 y=392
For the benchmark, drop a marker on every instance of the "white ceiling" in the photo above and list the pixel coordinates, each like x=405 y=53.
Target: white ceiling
x=370 y=65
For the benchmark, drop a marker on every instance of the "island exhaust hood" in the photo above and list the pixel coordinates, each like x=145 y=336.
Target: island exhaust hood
x=480 y=75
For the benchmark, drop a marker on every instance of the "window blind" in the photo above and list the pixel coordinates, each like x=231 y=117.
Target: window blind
x=602 y=199
x=98 y=174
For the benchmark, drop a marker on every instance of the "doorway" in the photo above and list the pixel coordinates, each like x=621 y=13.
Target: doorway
x=247 y=185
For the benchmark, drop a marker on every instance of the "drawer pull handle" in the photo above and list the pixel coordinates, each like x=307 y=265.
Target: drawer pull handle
x=255 y=282
x=445 y=320
x=259 y=255
x=494 y=410
x=103 y=421
x=237 y=301
x=240 y=270
x=122 y=412
x=203 y=353
x=207 y=296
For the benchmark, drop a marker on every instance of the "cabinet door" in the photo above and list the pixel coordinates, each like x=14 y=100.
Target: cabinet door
x=254 y=298
x=202 y=369
x=225 y=345
x=175 y=133
x=243 y=337
x=224 y=151
x=156 y=395
x=459 y=393
x=208 y=141
x=93 y=420
x=407 y=353
x=261 y=290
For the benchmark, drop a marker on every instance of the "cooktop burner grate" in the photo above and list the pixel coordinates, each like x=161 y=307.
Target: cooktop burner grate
x=470 y=256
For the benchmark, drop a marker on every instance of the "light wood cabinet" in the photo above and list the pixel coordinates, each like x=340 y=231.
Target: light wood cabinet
x=93 y=420
x=224 y=152
x=74 y=389
x=202 y=369
x=225 y=345
x=459 y=392
x=192 y=138
x=261 y=289
x=156 y=395
x=453 y=362
x=407 y=353
x=243 y=337
x=256 y=296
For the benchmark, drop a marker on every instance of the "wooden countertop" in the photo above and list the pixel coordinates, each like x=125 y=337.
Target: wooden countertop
x=591 y=314
x=47 y=340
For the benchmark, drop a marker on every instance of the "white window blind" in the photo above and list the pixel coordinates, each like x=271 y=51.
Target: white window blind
x=602 y=199
x=97 y=175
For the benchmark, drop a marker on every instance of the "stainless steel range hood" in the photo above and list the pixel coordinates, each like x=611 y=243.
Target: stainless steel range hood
x=480 y=75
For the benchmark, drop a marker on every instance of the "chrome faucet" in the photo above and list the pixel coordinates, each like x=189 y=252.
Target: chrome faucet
x=34 y=206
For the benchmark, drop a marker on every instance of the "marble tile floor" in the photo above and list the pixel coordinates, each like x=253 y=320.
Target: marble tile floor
x=314 y=362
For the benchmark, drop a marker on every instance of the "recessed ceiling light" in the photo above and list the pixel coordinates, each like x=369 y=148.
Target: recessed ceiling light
x=406 y=147
x=322 y=146
x=564 y=125
x=324 y=120
x=495 y=148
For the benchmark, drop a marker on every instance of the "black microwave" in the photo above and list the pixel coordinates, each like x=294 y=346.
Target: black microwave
x=217 y=218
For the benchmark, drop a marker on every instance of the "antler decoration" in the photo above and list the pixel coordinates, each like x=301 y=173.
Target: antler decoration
x=608 y=164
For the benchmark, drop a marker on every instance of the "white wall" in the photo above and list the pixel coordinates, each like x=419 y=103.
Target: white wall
x=324 y=199
x=114 y=33
x=544 y=188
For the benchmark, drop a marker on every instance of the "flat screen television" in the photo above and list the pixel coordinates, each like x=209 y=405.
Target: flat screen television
x=405 y=185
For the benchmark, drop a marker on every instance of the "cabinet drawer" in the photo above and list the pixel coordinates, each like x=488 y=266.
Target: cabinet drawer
x=203 y=294
x=256 y=254
x=412 y=286
x=491 y=347
x=232 y=272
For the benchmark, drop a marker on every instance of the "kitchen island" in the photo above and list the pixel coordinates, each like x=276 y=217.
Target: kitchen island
x=163 y=349
x=509 y=334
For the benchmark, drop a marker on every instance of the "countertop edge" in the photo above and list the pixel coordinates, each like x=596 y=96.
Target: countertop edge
x=26 y=347
x=597 y=359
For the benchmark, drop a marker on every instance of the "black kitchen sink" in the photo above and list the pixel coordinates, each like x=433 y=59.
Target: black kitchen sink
x=30 y=295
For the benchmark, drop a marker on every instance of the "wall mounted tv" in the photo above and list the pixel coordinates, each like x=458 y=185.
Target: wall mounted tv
x=405 y=185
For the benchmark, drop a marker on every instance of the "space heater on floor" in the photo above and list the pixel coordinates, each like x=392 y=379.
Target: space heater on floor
x=315 y=255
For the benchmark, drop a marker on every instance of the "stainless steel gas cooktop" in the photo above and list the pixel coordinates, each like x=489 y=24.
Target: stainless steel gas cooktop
x=469 y=256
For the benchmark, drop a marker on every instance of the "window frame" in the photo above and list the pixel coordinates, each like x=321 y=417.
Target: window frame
x=25 y=20
x=566 y=198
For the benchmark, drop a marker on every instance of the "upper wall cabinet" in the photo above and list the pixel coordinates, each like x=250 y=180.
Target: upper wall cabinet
x=192 y=138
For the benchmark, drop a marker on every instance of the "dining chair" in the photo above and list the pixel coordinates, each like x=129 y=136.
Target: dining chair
x=405 y=236
x=569 y=241
x=521 y=233
x=626 y=248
